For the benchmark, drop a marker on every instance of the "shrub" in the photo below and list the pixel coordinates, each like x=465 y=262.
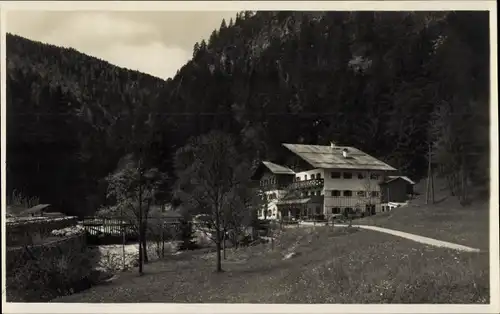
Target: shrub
x=42 y=273
x=187 y=236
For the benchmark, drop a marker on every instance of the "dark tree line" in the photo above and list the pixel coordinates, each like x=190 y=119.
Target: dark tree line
x=388 y=83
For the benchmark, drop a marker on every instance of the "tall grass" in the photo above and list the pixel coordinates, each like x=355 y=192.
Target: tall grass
x=17 y=198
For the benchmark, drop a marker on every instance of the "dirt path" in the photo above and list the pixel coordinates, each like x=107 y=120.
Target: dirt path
x=416 y=238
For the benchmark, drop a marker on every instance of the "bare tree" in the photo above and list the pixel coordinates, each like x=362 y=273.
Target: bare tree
x=209 y=177
x=133 y=189
x=365 y=195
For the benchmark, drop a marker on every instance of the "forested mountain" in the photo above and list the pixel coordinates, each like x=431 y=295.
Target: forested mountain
x=388 y=83
x=69 y=120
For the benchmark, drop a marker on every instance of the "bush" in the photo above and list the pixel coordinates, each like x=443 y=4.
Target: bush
x=109 y=239
x=44 y=275
x=187 y=236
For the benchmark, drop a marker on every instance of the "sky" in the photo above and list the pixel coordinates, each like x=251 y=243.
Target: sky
x=157 y=43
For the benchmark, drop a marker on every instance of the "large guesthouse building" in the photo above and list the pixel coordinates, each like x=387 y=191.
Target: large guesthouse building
x=328 y=181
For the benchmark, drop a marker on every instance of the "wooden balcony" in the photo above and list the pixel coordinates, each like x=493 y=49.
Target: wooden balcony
x=273 y=186
x=307 y=184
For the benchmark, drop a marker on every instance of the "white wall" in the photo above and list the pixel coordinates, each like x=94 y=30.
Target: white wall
x=271 y=205
x=354 y=184
x=302 y=174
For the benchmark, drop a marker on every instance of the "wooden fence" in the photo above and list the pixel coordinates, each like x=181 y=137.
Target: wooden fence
x=118 y=226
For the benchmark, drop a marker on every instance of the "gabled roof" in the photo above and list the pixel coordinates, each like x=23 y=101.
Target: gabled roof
x=320 y=156
x=35 y=209
x=392 y=178
x=274 y=168
x=277 y=169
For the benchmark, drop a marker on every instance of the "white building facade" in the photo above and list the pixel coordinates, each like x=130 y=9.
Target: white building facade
x=334 y=180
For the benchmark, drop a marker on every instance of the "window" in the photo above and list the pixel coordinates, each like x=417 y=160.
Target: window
x=361 y=175
x=374 y=176
x=375 y=193
x=318 y=193
x=361 y=193
x=347 y=175
x=318 y=175
x=298 y=179
x=347 y=193
x=336 y=210
x=335 y=175
x=335 y=193
x=272 y=196
x=305 y=177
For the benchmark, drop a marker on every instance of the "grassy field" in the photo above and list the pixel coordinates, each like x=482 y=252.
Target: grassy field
x=332 y=265
x=445 y=220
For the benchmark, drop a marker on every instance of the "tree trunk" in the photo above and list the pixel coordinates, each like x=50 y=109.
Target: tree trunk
x=141 y=233
x=218 y=248
x=463 y=181
x=224 y=244
x=162 y=242
x=140 y=252
x=144 y=245
x=450 y=185
x=218 y=238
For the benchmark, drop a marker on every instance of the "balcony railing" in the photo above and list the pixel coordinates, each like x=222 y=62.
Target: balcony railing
x=307 y=184
x=273 y=186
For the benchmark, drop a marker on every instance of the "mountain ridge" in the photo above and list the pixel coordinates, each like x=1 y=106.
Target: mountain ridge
x=382 y=82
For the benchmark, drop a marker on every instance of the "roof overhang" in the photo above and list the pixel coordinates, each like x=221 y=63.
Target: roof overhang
x=318 y=199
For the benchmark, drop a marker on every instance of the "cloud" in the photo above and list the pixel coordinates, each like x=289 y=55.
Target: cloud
x=158 y=43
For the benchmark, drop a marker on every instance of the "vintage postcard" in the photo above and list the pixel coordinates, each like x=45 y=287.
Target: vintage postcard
x=257 y=157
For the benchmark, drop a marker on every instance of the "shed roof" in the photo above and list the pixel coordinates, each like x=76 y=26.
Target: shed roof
x=35 y=209
x=278 y=169
x=321 y=156
x=274 y=168
x=393 y=178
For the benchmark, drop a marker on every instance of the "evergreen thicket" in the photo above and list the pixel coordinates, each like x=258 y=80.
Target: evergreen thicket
x=388 y=83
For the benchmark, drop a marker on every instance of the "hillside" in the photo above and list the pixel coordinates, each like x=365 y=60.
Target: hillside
x=69 y=120
x=387 y=83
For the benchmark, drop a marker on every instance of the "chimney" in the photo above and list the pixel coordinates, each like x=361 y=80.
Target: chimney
x=332 y=144
x=345 y=152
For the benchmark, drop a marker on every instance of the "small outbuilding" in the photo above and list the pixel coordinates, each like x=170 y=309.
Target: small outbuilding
x=397 y=189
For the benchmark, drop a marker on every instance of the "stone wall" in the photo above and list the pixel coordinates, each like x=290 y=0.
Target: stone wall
x=40 y=272
x=48 y=251
x=30 y=230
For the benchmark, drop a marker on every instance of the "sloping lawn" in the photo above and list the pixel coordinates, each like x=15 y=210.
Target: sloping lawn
x=446 y=221
x=332 y=265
